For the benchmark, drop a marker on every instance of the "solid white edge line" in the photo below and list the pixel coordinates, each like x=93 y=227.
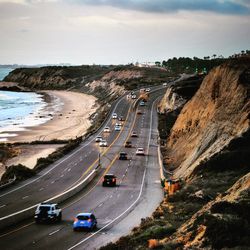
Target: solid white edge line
x=49 y=200
x=139 y=196
x=11 y=191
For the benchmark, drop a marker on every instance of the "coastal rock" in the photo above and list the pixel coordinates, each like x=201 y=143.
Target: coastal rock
x=11 y=86
x=223 y=222
x=217 y=114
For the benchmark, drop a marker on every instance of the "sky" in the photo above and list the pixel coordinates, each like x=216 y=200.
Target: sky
x=120 y=31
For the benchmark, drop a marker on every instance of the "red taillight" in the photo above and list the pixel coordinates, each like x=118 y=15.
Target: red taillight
x=75 y=220
x=113 y=179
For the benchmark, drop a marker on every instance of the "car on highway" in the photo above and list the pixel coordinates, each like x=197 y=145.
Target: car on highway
x=85 y=221
x=109 y=180
x=133 y=96
x=134 y=134
x=148 y=89
x=117 y=128
x=121 y=118
x=123 y=156
x=118 y=124
x=142 y=103
x=140 y=151
x=128 y=144
x=164 y=84
x=103 y=143
x=139 y=112
x=98 y=138
x=114 y=116
x=106 y=130
x=46 y=212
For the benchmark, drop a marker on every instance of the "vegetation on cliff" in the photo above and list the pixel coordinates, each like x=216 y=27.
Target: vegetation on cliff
x=211 y=210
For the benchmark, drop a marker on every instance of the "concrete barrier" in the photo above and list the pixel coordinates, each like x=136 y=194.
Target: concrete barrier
x=30 y=211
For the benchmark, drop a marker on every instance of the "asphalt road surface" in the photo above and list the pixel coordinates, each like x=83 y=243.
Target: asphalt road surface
x=117 y=209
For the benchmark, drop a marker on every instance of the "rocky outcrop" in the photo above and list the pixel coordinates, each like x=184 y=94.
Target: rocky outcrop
x=179 y=92
x=217 y=114
x=11 y=86
x=221 y=223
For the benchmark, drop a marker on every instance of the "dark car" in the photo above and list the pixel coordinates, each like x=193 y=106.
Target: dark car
x=128 y=144
x=109 y=180
x=123 y=156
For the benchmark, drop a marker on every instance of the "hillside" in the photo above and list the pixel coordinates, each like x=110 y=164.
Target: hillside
x=208 y=148
x=86 y=78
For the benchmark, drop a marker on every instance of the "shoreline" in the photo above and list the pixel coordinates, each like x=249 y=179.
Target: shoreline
x=69 y=120
x=67 y=115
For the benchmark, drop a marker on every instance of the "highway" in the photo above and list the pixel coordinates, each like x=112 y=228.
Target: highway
x=117 y=209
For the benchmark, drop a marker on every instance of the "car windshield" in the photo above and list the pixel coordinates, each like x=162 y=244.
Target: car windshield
x=44 y=208
x=109 y=176
x=82 y=217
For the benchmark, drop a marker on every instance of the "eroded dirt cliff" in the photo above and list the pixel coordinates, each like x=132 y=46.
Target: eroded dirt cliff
x=218 y=113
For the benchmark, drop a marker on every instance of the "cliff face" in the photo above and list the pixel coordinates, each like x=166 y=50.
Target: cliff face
x=55 y=77
x=217 y=113
x=221 y=223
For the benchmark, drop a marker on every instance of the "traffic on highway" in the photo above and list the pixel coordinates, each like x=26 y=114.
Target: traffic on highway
x=125 y=187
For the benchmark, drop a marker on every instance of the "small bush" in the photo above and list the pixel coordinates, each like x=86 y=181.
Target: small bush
x=21 y=172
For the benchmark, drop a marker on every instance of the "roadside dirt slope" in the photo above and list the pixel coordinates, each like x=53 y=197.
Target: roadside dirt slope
x=218 y=113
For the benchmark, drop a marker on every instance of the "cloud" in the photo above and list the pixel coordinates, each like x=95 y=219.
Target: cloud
x=165 y=6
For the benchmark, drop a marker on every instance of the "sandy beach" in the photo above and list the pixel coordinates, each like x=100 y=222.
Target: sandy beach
x=69 y=122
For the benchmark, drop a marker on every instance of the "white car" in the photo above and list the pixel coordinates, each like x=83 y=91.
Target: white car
x=103 y=143
x=118 y=124
x=98 y=138
x=117 y=128
x=133 y=96
x=164 y=84
x=114 y=116
x=147 y=89
x=140 y=151
x=106 y=130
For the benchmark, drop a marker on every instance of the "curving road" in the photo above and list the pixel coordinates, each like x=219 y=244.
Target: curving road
x=117 y=209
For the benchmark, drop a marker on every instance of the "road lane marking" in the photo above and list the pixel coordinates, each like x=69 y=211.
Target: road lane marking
x=25 y=197
x=3 y=206
x=41 y=189
x=54 y=232
x=100 y=205
x=139 y=196
x=63 y=160
x=52 y=182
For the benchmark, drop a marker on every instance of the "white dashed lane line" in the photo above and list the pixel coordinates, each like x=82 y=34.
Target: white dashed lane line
x=25 y=197
x=54 y=232
x=2 y=205
x=41 y=189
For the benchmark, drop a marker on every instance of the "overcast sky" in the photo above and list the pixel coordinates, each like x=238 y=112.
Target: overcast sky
x=120 y=31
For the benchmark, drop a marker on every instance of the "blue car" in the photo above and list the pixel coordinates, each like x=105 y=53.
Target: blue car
x=84 y=221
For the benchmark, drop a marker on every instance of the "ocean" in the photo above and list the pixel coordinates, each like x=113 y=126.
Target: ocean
x=19 y=110
x=4 y=72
